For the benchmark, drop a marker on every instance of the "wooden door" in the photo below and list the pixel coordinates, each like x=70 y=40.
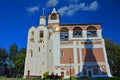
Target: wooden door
x=28 y=73
x=62 y=74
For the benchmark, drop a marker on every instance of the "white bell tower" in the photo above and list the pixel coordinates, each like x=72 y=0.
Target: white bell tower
x=42 y=19
x=54 y=17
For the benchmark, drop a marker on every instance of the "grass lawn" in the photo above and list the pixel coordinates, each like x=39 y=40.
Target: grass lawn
x=113 y=78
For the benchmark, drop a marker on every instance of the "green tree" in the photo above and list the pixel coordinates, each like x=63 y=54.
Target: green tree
x=3 y=54
x=13 y=52
x=3 y=58
x=113 y=53
x=20 y=61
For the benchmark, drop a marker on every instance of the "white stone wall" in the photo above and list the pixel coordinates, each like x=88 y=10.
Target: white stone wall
x=37 y=64
x=56 y=49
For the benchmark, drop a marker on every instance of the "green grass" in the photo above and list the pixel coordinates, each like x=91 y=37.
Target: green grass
x=112 y=78
x=2 y=77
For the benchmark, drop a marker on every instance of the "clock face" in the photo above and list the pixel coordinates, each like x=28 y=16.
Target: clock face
x=56 y=28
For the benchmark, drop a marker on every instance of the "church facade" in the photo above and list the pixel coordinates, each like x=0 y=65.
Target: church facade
x=65 y=49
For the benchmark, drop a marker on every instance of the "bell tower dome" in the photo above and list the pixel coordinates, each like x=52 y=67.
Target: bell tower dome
x=54 y=17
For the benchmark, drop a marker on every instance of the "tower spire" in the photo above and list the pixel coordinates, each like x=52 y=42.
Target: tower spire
x=43 y=18
x=43 y=10
x=54 y=9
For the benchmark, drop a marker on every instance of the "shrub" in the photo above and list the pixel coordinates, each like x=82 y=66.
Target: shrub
x=45 y=74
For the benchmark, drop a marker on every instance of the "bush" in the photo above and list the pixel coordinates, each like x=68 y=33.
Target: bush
x=45 y=74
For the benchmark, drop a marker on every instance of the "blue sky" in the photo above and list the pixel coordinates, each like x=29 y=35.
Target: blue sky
x=17 y=16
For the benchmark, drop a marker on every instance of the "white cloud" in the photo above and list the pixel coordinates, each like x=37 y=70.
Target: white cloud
x=93 y=6
x=71 y=9
x=33 y=9
x=51 y=3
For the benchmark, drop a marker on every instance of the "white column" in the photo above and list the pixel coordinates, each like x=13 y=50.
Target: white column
x=84 y=33
x=99 y=33
x=56 y=48
x=75 y=57
x=70 y=35
x=81 y=63
x=106 y=60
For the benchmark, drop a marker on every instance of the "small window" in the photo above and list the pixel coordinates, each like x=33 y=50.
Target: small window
x=31 y=53
x=32 y=40
x=39 y=49
x=53 y=16
x=62 y=53
x=41 y=34
x=42 y=63
x=50 y=35
x=32 y=33
x=49 y=50
x=40 y=41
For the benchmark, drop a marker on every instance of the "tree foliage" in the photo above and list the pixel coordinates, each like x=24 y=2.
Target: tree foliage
x=19 y=68
x=13 y=52
x=3 y=54
x=16 y=60
x=113 y=53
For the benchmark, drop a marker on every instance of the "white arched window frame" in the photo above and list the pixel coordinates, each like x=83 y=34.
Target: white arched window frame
x=77 y=32
x=91 y=31
x=64 y=34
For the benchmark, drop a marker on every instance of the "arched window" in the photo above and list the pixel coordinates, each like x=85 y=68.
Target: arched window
x=41 y=34
x=62 y=53
x=91 y=31
x=53 y=16
x=64 y=34
x=32 y=40
x=77 y=32
x=40 y=41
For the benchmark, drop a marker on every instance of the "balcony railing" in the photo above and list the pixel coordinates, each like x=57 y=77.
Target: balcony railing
x=92 y=35
x=77 y=36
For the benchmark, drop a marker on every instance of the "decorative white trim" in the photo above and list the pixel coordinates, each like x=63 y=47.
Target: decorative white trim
x=99 y=33
x=53 y=21
x=81 y=46
x=70 y=35
x=75 y=57
x=106 y=60
x=84 y=33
